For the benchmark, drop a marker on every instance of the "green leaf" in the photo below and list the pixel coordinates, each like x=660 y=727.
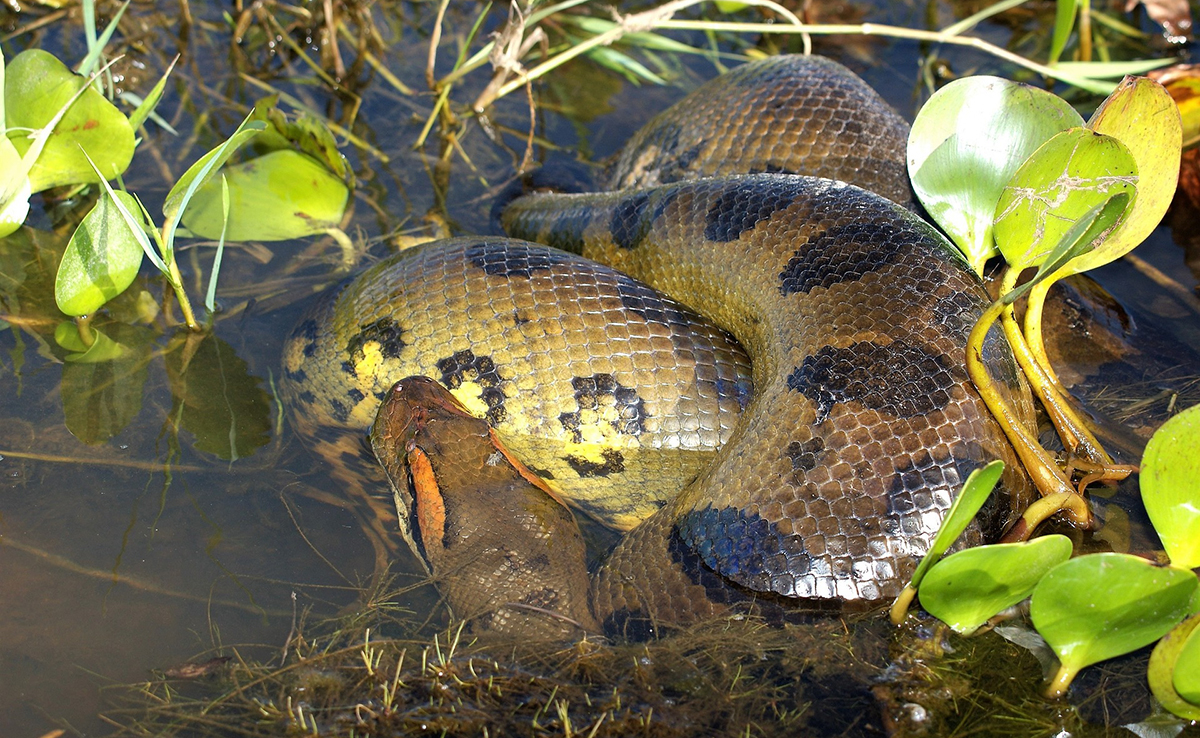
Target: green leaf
x=101 y=259
x=1175 y=669
x=1170 y=483
x=1065 y=179
x=1064 y=22
x=199 y=173
x=964 y=146
x=281 y=195
x=1079 y=239
x=102 y=391
x=103 y=348
x=974 y=493
x=15 y=190
x=1187 y=668
x=217 y=399
x=964 y=589
x=306 y=133
x=1141 y=115
x=36 y=88
x=1103 y=605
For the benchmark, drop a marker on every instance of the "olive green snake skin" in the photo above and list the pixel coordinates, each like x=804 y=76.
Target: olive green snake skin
x=848 y=422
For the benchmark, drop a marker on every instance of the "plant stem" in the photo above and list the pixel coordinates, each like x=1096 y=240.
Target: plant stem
x=1046 y=475
x=1033 y=330
x=83 y=323
x=176 y=280
x=1062 y=679
x=1071 y=428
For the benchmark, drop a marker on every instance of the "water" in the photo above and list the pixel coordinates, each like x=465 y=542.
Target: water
x=129 y=545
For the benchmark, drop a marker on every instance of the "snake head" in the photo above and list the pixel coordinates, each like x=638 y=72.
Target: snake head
x=401 y=428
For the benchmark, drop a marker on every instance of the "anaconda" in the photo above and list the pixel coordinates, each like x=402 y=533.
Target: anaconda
x=853 y=312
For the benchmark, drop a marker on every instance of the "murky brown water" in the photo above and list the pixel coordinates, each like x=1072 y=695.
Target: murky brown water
x=130 y=541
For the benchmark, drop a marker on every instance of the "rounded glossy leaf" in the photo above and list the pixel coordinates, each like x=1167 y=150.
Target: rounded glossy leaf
x=1170 y=484
x=36 y=86
x=1141 y=115
x=1066 y=178
x=965 y=144
x=1103 y=605
x=101 y=259
x=281 y=195
x=965 y=589
x=1174 y=670
x=15 y=190
x=1187 y=668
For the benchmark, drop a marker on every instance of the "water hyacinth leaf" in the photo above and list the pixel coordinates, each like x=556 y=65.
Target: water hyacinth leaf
x=1170 y=666
x=1141 y=115
x=965 y=145
x=1068 y=176
x=967 y=588
x=1100 y=606
x=309 y=134
x=205 y=167
x=1170 y=483
x=101 y=259
x=1080 y=238
x=1187 y=668
x=37 y=86
x=15 y=189
x=281 y=195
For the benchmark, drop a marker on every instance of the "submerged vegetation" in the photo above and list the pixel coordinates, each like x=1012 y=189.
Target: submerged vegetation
x=373 y=673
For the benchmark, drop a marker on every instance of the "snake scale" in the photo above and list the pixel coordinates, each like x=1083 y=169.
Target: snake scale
x=844 y=416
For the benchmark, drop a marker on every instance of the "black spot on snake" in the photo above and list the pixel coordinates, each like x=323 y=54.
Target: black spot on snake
x=614 y=463
x=841 y=254
x=465 y=366
x=900 y=379
x=307 y=330
x=805 y=455
x=915 y=483
x=648 y=304
x=745 y=547
x=511 y=260
x=741 y=206
x=348 y=368
x=307 y=397
x=771 y=168
x=297 y=376
x=356 y=395
x=629 y=224
x=385 y=331
x=603 y=389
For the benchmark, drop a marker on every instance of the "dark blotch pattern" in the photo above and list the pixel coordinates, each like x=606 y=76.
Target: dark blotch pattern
x=307 y=331
x=805 y=455
x=512 y=260
x=356 y=395
x=841 y=254
x=613 y=463
x=746 y=548
x=899 y=378
x=911 y=491
x=466 y=366
x=589 y=394
x=643 y=301
x=387 y=332
x=629 y=224
x=743 y=205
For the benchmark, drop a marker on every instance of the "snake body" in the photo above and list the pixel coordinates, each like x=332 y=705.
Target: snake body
x=854 y=314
